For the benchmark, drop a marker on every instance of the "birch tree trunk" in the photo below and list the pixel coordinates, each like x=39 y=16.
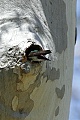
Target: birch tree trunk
x=28 y=90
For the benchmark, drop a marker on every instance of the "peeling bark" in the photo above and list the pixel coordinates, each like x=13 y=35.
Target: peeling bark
x=36 y=59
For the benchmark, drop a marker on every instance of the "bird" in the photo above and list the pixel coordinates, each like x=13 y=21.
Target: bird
x=36 y=54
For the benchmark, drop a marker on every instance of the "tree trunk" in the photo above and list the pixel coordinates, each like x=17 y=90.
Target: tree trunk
x=32 y=89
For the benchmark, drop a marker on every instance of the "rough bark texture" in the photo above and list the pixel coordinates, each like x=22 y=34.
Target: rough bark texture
x=36 y=91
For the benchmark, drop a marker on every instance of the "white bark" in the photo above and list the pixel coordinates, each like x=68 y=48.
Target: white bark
x=43 y=91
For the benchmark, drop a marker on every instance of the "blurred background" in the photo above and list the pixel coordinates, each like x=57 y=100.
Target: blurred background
x=75 y=100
